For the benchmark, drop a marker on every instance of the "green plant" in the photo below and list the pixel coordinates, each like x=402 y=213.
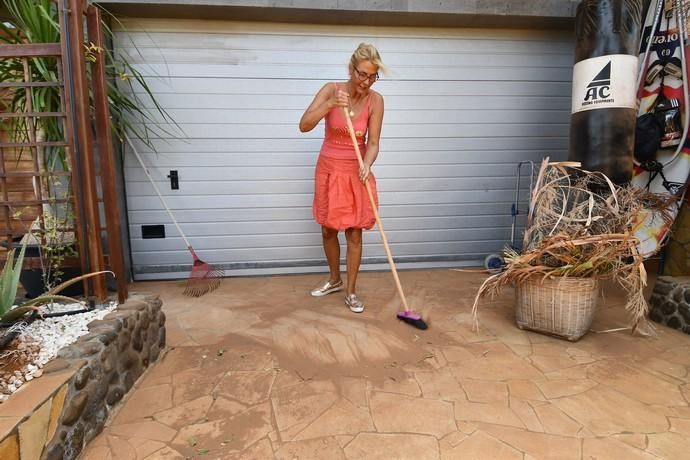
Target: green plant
x=9 y=281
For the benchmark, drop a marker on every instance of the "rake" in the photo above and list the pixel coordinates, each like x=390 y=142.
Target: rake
x=204 y=277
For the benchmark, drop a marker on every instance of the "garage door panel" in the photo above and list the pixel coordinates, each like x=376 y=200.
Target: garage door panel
x=166 y=161
x=290 y=102
x=335 y=72
x=494 y=41
x=192 y=147
x=166 y=83
x=439 y=115
x=306 y=239
x=287 y=174
x=462 y=108
x=305 y=200
x=311 y=253
x=391 y=185
x=229 y=216
x=235 y=228
x=171 y=55
x=390 y=130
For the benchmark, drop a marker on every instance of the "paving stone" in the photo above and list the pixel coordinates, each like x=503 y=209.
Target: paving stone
x=636 y=383
x=144 y=403
x=147 y=430
x=679 y=425
x=668 y=445
x=526 y=390
x=372 y=446
x=541 y=446
x=440 y=384
x=456 y=355
x=638 y=441
x=499 y=367
x=407 y=386
x=185 y=414
x=247 y=387
x=312 y=449
x=354 y=390
x=98 y=453
x=121 y=449
x=391 y=414
x=224 y=408
x=610 y=448
x=166 y=453
x=146 y=447
x=555 y=421
x=559 y=388
x=480 y=446
x=341 y=418
x=193 y=384
x=262 y=450
x=302 y=404
x=226 y=436
x=526 y=413
x=486 y=391
x=495 y=413
x=605 y=412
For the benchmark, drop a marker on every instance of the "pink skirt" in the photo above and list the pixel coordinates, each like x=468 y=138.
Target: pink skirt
x=340 y=198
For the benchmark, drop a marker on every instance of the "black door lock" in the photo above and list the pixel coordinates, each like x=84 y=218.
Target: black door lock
x=174 y=180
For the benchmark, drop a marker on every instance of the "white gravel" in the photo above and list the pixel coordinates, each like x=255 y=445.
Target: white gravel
x=42 y=339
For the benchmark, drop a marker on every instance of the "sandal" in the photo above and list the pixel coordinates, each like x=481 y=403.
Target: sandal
x=327 y=288
x=356 y=305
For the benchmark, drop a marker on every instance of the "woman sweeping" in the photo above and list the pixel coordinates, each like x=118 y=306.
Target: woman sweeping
x=340 y=200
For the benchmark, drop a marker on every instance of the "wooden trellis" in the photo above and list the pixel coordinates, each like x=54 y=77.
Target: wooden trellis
x=29 y=188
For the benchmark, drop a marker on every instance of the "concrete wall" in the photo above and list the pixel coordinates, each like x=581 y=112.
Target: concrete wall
x=550 y=14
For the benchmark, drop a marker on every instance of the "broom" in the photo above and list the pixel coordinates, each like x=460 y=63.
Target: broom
x=407 y=315
x=204 y=277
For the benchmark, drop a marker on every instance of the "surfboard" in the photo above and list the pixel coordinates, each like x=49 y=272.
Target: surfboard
x=662 y=78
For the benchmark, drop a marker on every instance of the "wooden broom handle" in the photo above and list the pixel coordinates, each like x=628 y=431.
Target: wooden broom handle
x=351 y=130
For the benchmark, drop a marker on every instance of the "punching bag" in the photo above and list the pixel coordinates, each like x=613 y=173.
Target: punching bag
x=604 y=102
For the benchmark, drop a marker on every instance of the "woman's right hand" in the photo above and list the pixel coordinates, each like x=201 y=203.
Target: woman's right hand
x=340 y=99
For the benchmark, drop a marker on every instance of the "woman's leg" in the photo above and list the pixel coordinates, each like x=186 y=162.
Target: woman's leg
x=331 y=246
x=354 y=257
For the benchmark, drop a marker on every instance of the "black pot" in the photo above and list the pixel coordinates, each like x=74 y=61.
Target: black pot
x=32 y=278
x=32 y=281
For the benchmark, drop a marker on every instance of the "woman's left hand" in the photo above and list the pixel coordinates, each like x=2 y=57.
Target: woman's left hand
x=364 y=172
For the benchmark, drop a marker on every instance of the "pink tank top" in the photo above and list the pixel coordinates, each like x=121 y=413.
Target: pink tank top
x=337 y=142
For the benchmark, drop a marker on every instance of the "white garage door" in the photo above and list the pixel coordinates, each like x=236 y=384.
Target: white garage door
x=462 y=108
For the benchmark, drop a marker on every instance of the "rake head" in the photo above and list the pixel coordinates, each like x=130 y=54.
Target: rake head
x=203 y=279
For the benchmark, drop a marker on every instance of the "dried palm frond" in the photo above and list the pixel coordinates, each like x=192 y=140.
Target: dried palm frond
x=580 y=224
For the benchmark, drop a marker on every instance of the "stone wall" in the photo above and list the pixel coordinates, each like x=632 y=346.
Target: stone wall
x=105 y=364
x=670 y=302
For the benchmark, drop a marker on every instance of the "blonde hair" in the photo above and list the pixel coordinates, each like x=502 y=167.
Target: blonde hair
x=367 y=52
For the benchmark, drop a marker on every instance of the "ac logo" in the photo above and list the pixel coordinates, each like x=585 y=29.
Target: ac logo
x=600 y=86
x=605 y=82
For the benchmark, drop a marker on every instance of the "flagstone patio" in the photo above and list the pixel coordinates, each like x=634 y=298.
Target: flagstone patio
x=259 y=370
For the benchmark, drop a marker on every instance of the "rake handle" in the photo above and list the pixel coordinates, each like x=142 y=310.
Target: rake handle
x=351 y=130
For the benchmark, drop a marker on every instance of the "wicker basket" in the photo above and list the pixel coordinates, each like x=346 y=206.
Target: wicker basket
x=558 y=306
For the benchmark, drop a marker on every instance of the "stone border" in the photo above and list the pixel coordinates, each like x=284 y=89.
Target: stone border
x=83 y=384
x=670 y=302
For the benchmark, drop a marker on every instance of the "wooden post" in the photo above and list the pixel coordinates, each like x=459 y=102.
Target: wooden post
x=87 y=173
x=104 y=141
x=70 y=139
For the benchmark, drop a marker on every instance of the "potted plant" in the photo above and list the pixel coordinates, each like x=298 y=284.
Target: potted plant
x=51 y=237
x=579 y=231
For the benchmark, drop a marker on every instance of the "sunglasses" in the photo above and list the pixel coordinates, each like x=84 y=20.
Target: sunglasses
x=363 y=76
